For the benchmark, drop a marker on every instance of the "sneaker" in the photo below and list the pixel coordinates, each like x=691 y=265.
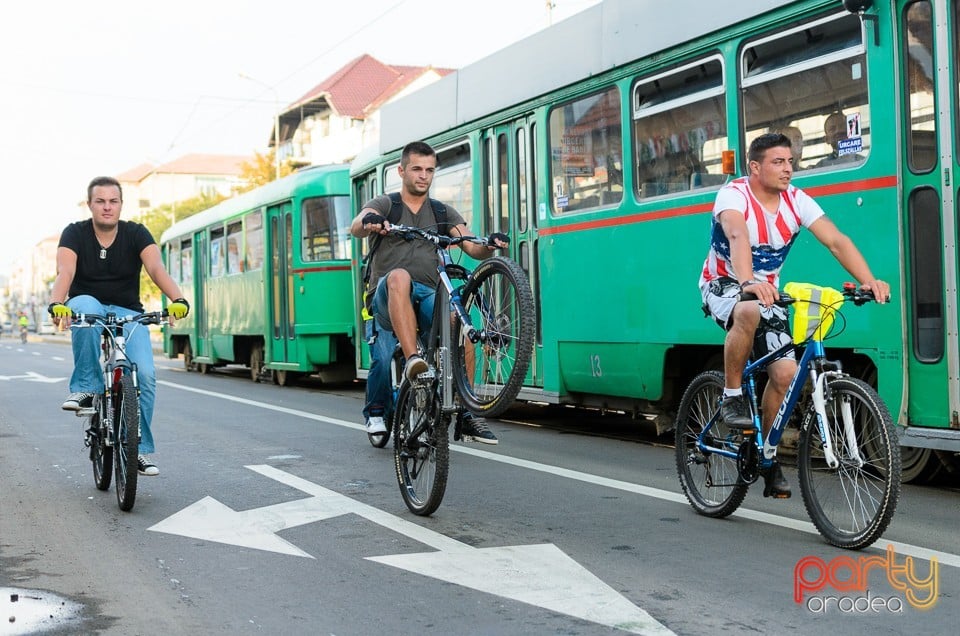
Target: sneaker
x=474 y=429
x=375 y=425
x=734 y=412
x=77 y=401
x=415 y=366
x=775 y=484
x=147 y=467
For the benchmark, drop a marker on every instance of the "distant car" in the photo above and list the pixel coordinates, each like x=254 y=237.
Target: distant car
x=46 y=328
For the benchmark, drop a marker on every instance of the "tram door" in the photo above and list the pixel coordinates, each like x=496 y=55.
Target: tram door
x=201 y=265
x=510 y=206
x=928 y=46
x=282 y=319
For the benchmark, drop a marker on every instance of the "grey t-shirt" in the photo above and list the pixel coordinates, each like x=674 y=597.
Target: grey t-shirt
x=416 y=256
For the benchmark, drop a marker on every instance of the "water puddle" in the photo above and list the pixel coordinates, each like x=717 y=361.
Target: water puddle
x=34 y=611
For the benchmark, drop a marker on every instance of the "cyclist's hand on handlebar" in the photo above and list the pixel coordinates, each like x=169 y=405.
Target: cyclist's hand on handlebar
x=880 y=289
x=498 y=240
x=374 y=223
x=60 y=313
x=765 y=292
x=179 y=308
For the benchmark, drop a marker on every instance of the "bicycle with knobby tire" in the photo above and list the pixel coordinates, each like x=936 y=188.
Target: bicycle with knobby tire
x=848 y=455
x=478 y=350
x=113 y=419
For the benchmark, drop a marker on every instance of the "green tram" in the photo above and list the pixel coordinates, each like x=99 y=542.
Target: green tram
x=599 y=145
x=267 y=274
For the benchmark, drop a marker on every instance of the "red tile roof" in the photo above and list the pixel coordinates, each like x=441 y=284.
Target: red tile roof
x=135 y=175
x=204 y=164
x=363 y=85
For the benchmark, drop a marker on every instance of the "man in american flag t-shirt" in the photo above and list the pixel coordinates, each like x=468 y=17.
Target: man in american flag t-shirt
x=756 y=220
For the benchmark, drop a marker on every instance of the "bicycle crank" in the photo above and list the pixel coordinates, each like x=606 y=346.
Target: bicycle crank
x=748 y=461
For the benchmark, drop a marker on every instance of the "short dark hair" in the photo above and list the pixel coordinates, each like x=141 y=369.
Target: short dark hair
x=103 y=181
x=765 y=142
x=415 y=148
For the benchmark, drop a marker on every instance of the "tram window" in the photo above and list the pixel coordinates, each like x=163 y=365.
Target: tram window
x=811 y=80
x=253 y=246
x=391 y=178
x=926 y=274
x=918 y=59
x=586 y=152
x=680 y=129
x=234 y=237
x=453 y=181
x=217 y=249
x=186 y=261
x=324 y=226
x=521 y=180
x=173 y=261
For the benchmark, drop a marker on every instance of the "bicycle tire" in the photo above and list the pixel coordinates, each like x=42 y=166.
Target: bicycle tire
x=101 y=455
x=126 y=426
x=422 y=464
x=851 y=506
x=379 y=440
x=711 y=482
x=498 y=298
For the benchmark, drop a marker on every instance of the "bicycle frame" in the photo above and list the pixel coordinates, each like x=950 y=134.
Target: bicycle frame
x=810 y=366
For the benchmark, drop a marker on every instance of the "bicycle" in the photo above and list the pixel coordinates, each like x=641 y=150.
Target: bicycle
x=477 y=360
x=848 y=456
x=113 y=430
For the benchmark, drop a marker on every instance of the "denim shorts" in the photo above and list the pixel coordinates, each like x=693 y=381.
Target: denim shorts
x=422 y=297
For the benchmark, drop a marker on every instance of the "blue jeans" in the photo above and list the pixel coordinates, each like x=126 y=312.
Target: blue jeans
x=87 y=376
x=378 y=398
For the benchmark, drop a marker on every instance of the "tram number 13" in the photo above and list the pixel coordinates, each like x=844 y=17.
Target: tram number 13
x=595 y=369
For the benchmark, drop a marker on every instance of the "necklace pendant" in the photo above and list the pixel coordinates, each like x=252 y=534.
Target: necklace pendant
x=103 y=253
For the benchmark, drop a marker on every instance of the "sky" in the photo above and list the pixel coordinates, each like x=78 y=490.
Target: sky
x=101 y=86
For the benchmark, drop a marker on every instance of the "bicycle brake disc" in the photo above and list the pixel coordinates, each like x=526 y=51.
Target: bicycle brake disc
x=748 y=461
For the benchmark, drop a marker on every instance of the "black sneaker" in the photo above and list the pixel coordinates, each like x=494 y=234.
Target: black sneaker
x=146 y=467
x=77 y=401
x=775 y=484
x=474 y=429
x=734 y=412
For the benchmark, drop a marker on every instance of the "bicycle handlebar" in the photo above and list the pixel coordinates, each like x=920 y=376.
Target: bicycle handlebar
x=407 y=232
x=146 y=318
x=850 y=292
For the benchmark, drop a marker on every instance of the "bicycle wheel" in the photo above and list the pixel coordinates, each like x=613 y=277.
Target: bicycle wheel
x=851 y=505
x=711 y=482
x=489 y=373
x=101 y=455
x=379 y=440
x=126 y=428
x=422 y=460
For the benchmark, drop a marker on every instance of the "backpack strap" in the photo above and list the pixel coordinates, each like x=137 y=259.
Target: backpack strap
x=396 y=211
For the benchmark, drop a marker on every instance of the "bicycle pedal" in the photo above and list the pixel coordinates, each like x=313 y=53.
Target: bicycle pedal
x=87 y=412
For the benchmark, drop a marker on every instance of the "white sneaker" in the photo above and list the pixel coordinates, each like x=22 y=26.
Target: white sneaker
x=376 y=426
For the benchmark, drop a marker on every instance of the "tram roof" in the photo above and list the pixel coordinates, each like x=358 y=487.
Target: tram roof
x=604 y=36
x=274 y=191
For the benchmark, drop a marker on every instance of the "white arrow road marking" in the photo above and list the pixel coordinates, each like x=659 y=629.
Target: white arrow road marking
x=540 y=575
x=31 y=376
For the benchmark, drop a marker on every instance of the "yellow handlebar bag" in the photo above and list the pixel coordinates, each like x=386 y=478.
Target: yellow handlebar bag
x=813 y=311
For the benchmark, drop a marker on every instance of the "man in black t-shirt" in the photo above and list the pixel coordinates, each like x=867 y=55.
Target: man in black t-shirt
x=98 y=272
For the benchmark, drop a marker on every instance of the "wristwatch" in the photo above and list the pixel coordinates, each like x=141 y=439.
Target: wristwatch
x=747 y=283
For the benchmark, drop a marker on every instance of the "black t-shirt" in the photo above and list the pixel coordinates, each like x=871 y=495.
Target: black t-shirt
x=114 y=279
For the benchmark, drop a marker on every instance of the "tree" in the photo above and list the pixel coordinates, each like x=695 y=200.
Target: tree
x=261 y=171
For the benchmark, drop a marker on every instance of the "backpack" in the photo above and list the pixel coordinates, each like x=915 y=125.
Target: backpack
x=396 y=210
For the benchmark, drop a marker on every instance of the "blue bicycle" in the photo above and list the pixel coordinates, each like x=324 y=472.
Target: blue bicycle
x=848 y=455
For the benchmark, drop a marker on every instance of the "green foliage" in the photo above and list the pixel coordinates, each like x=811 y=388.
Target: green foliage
x=157 y=221
x=261 y=171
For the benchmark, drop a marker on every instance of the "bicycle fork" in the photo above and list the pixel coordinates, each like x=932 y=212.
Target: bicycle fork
x=819 y=398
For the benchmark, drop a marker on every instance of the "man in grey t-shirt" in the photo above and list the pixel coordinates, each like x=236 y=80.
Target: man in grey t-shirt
x=405 y=278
